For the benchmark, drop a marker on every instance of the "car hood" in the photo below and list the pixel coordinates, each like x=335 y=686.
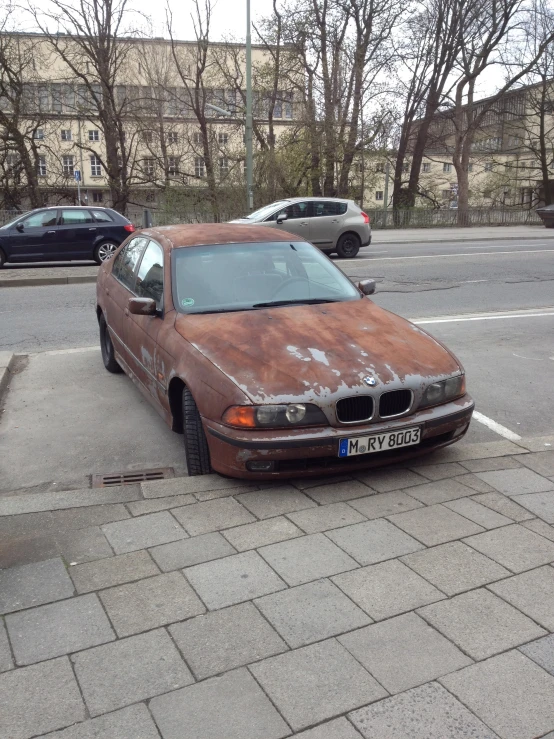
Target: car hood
x=314 y=352
x=244 y=221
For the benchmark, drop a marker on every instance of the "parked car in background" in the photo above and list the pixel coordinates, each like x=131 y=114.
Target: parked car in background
x=331 y=224
x=63 y=235
x=547 y=215
x=268 y=359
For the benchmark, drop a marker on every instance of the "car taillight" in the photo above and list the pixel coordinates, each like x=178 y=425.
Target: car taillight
x=129 y=227
x=365 y=217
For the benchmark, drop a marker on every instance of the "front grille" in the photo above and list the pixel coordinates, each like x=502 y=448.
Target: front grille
x=394 y=403
x=358 y=408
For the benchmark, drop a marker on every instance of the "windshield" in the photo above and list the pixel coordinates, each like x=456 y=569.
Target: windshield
x=231 y=277
x=267 y=210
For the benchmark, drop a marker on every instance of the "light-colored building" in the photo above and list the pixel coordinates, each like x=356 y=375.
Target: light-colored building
x=163 y=94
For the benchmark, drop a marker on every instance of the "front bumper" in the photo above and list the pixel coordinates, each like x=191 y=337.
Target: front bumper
x=314 y=451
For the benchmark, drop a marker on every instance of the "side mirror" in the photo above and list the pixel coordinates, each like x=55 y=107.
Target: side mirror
x=19 y=227
x=142 y=306
x=281 y=217
x=367 y=286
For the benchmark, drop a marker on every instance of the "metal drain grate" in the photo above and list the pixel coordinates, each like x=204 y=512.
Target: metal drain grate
x=131 y=478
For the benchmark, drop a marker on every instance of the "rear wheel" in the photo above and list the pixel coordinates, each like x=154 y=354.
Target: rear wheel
x=106 y=347
x=2 y=258
x=105 y=251
x=196 y=444
x=348 y=246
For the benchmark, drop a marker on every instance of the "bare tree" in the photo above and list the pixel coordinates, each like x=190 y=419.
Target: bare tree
x=488 y=30
x=21 y=121
x=428 y=55
x=91 y=38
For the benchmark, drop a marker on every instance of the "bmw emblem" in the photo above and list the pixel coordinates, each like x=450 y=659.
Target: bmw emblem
x=371 y=381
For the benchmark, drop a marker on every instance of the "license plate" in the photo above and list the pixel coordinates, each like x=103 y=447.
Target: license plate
x=379 y=442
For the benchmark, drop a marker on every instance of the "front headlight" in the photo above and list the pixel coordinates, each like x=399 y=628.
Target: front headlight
x=274 y=416
x=443 y=391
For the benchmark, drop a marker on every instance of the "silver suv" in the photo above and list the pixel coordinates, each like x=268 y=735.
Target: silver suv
x=331 y=224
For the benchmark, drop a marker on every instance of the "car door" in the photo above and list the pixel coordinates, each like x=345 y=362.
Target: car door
x=142 y=331
x=119 y=289
x=298 y=219
x=77 y=233
x=33 y=238
x=325 y=223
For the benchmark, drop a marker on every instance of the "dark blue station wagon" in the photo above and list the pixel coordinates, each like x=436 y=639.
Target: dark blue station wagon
x=63 y=235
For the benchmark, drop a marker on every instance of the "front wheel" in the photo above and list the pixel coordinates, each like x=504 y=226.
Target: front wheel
x=196 y=444
x=105 y=251
x=348 y=246
x=106 y=347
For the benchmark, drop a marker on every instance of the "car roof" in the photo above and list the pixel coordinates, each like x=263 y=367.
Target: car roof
x=310 y=199
x=70 y=207
x=204 y=234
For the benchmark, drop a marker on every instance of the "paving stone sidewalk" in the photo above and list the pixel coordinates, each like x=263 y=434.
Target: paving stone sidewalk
x=399 y=603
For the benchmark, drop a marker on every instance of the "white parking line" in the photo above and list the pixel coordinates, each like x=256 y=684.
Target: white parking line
x=496 y=427
x=460 y=319
x=444 y=256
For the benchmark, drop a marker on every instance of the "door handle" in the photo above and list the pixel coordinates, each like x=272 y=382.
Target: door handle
x=304 y=223
x=92 y=229
x=50 y=232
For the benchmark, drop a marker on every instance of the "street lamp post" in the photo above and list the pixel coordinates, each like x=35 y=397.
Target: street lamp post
x=248 y=132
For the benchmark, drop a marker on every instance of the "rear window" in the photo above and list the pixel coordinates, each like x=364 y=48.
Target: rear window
x=101 y=215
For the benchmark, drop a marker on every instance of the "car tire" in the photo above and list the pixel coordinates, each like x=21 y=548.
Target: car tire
x=196 y=444
x=106 y=347
x=348 y=246
x=2 y=258
x=105 y=251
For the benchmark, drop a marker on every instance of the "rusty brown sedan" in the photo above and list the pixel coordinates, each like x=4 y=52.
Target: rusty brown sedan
x=270 y=362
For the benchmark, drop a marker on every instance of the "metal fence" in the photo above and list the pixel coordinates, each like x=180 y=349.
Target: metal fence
x=430 y=218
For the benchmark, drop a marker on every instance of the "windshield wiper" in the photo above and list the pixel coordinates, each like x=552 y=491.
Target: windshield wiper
x=305 y=301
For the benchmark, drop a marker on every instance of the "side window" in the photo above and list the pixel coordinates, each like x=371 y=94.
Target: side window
x=150 y=277
x=298 y=210
x=329 y=208
x=126 y=262
x=76 y=217
x=102 y=216
x=41 y=220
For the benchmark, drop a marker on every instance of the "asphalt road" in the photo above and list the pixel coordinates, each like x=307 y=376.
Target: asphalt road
x=509 y=359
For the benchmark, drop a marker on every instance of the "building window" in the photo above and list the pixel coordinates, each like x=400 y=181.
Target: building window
x=470 y=167
x=197 y=138
x=488 y=167
x=66 y=134
x=150 y=197
x=38 y=134
x=199 y=167
x=94 y=135
x=173 y=165
x=148 y=166
x=405 y=167
x=223 y=139
x=426 y=167
x=172 y=137
x=42 y=166
x=97 y=197
x=447 y=168
x=223 y=165
x=68 y=166
x=147 y=137
x=287 y=105
x=43 y=99
x=380 y=168
x=378 y=195
x=95 y=166
x=446 y=194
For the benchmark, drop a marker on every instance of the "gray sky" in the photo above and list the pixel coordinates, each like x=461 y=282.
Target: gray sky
x=228 y=19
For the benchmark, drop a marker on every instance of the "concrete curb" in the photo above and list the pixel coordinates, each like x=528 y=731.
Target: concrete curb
x=7 y=360
x=52 y=280
x=376 y=242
